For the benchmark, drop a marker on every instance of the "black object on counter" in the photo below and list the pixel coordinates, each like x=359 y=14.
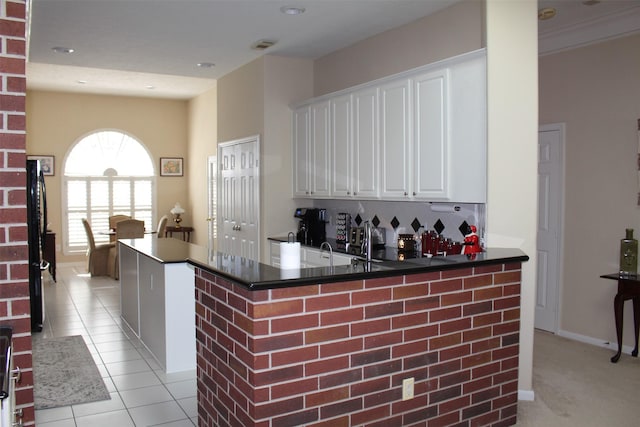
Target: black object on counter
x=311 y=229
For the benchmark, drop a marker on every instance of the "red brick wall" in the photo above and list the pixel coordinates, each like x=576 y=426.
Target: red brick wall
x=14 y=274
x=336 y=354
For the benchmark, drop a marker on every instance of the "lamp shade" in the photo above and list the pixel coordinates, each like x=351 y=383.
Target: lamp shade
x=177 y=209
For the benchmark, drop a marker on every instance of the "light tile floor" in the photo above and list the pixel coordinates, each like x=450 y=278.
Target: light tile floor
x=141 y=393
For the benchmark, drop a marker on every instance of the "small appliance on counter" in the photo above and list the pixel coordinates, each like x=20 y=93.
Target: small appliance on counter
x=343 y=228
x=378 y=237
x=406 y=243
x=312 y=226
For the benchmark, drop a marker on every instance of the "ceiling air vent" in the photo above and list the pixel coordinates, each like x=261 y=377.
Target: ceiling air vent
x=262 y=44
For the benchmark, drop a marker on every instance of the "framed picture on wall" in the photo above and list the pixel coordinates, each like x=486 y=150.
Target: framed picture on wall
x=171 y=166
x=47 y=164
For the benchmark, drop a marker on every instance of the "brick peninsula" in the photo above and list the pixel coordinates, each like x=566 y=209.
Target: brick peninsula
x=332 y=346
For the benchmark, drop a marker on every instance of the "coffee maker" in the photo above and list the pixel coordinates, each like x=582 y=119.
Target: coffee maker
x=311 y=229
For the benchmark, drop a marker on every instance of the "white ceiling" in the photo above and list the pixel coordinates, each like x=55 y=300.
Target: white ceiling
x=123 y=46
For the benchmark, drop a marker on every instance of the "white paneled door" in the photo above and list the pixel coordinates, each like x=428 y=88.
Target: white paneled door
x=238 y=202
x=549 y=242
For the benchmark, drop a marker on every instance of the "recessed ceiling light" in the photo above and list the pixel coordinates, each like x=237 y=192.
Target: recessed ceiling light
x=292 y=10
x=206 y=64
x=81 y=82
x=546 y=13
x=62 y=49
x=150 y=87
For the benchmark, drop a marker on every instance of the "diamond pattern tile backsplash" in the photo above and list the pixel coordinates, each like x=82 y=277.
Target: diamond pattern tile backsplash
x=406 y=217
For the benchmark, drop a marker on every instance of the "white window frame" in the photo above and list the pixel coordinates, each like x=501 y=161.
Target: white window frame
x=99 y=217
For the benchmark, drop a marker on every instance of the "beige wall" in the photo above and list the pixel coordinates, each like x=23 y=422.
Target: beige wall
x=452 y=31
x=56 y=121
x=595 y=91
x=512 y=58
x=241 y=102
x=255 y=99
x=203 y=131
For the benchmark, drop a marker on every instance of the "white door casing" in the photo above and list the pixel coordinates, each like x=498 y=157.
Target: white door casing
x=549 y=235
x=239 y=201
x=212 y=191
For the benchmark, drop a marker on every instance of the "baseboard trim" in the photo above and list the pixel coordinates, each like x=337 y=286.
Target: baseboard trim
x=527 y=395
x=594 y=341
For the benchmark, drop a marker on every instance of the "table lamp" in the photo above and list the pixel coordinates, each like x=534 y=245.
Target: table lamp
x=177 y=210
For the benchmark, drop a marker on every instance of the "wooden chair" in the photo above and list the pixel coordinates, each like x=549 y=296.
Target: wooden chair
x=129 y=229
x=162 y=225
x=125 y=229
x=114 y=219
x=98 y=256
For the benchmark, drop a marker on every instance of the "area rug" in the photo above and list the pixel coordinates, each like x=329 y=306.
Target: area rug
x=64 y=373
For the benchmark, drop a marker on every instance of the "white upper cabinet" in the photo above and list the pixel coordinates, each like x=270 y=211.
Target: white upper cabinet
x=395 y=139
x=418 y=135
x=365 y=144
x=301 y=157
x=341 y=141
x=312 y=159
x=468 y=130
x=320 y=146
x=431 y=136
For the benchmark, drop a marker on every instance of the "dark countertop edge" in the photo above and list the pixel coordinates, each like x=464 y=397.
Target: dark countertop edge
x=256 y=276
x=398 y=268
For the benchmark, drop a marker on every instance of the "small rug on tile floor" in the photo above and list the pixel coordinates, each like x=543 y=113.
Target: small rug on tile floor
x=64 y=373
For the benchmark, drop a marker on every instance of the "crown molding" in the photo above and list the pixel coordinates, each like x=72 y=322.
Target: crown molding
x=614 y=25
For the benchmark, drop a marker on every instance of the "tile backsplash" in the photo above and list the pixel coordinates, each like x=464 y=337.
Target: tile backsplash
x=405 y=217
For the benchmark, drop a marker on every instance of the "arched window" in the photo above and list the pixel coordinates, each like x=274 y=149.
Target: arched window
x=105 y=173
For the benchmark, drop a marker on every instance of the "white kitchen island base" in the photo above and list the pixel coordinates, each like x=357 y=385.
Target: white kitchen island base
x=157 y=300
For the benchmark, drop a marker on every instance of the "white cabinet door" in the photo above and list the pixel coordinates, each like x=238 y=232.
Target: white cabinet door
x=301 y=157
x=468 y=96
x=431 y=136
x=128 y=259
x=275 y=253
x=152 y=303
x=319 y=148
x=365 y=144
x=395 y=139
x=341 y=140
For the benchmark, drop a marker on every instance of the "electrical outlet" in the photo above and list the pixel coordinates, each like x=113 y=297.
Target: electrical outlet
x=407 y=388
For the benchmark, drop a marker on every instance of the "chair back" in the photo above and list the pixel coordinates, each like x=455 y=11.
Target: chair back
x=129 y=229
x=162 y=225
x=87 y=229
x=114 y=219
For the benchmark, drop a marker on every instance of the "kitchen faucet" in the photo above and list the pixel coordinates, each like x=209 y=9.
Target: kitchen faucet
x=330 y=252
x=366 y=243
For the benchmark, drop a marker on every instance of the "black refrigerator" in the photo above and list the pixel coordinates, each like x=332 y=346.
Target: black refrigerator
x=36 y=231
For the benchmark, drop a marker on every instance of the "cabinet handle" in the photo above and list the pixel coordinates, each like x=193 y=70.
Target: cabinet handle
x=414 y=193
x=405 y=193
x=348 y=193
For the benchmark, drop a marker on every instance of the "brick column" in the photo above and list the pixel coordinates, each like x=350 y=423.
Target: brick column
x=14 y=272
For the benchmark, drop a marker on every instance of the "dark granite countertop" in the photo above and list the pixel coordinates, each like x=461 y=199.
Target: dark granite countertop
x=255 y=275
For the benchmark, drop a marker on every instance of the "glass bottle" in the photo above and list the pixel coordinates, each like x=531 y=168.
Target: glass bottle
x=629 y=253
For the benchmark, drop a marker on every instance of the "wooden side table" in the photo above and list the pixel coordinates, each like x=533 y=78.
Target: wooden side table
x=628 y=288
x=186 y=232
